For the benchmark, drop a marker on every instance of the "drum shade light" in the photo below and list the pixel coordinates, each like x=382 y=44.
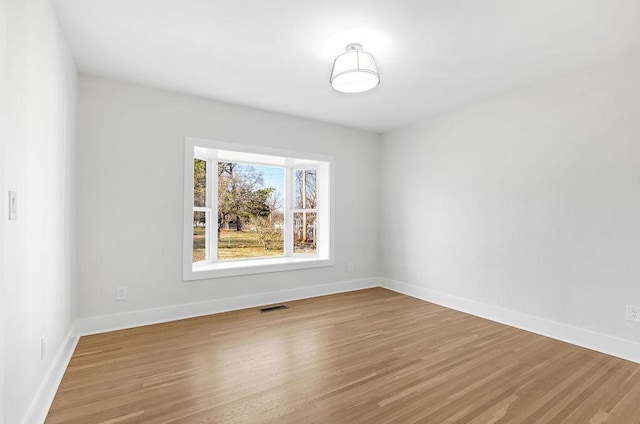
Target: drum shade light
x=354 y=71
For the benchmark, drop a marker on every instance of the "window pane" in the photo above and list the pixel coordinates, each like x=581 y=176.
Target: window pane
x=304 y=232
x=305 y=189
x=199 y=236
x=199 y=183
x=250 y=211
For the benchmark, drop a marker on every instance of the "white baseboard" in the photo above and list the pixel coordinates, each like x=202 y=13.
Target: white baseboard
x=39 y=408
x=622 y=348
x=101 y=324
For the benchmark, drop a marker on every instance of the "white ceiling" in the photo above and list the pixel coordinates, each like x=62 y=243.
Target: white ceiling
x=433 y=55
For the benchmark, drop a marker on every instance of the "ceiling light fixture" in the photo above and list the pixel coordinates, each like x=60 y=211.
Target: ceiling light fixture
x=354 y=71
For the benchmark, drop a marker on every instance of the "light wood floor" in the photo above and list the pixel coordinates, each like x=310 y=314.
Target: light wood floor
x=371 y=356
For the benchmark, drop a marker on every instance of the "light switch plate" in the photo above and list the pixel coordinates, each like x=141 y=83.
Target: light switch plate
x=13 y=205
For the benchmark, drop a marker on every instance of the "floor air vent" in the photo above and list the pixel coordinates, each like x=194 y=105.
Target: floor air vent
x=273 y=308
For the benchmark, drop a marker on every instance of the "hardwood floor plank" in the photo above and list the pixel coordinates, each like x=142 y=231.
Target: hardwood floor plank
x=371 y=356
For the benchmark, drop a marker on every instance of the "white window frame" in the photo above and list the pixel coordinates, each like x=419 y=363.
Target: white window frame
x=214 y=151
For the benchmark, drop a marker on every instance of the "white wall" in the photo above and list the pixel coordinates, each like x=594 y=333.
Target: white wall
x=3 y=199
x=528 y=202
x=131 y=193
x=40 y=291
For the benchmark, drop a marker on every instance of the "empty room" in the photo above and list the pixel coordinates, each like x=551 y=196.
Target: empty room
x=320 y=212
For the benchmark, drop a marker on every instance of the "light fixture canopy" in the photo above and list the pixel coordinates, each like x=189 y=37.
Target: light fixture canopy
x=354 y=71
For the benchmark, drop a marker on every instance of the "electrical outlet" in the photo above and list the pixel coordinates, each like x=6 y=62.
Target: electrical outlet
x=350 y=267
x=633 y=313
x=401 y=268
x=42 y=344
x=121 y=293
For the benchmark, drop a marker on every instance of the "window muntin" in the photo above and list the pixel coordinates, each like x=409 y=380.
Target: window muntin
x=289 y=218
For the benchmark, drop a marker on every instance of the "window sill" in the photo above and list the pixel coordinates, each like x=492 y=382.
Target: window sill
x=202 y=271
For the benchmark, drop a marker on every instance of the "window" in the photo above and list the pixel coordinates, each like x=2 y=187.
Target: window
x=305 y=211
x=252 y=210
